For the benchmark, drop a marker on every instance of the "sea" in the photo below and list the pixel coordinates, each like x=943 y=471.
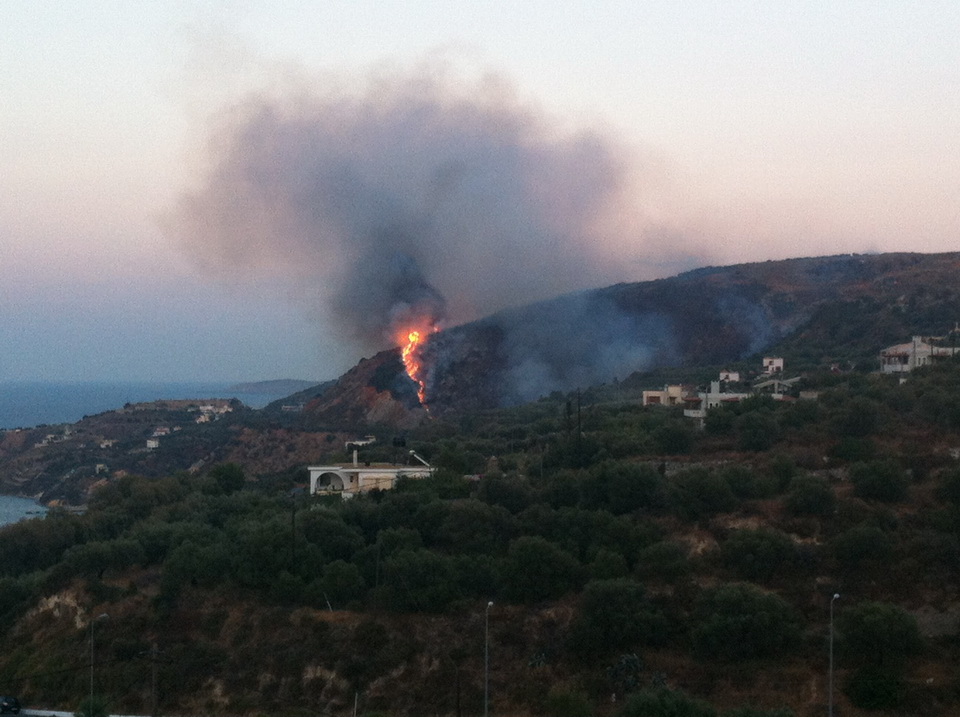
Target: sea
x=26 y=404
x=14 y=509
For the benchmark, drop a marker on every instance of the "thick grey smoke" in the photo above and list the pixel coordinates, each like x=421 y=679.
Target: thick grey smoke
x=412 y=198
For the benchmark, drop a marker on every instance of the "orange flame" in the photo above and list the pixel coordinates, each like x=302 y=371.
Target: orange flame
x=410 y=353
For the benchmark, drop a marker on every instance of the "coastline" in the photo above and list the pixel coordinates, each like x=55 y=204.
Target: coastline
x=14 y=508
x=32 y=404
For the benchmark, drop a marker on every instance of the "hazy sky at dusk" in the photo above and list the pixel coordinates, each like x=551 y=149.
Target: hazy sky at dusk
x=749 y=130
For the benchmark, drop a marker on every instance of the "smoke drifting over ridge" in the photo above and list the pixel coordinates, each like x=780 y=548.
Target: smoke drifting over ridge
x=412 y=198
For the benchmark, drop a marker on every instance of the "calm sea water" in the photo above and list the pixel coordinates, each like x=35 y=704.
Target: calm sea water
x=28 y=404
x=13 y=509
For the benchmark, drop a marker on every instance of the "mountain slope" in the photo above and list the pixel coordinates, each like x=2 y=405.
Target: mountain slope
x=813 y=310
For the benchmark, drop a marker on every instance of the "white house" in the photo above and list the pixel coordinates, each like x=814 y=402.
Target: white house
x=711 y=399
x=903 y=358
x=349 y=479
x=669 y=396
x=772 y=364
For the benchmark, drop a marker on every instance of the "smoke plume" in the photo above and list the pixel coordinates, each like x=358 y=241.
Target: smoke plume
x=410 y=197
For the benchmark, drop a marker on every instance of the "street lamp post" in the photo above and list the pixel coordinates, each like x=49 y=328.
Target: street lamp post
x=830 y=669
x=102 y=616
x=486 y=660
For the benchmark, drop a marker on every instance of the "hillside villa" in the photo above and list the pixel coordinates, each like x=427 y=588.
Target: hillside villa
x=350 y=479
x=697 y=403
x=919 y=351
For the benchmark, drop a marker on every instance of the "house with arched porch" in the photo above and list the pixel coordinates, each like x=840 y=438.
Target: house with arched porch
x=349 y=479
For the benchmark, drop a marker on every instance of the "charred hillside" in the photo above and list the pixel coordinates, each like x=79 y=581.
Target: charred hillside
x=376 y=391
x=813 y=311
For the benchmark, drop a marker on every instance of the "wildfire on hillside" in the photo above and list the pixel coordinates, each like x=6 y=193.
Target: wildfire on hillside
x=411 y=344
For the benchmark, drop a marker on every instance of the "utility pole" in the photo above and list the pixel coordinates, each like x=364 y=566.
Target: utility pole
x=102 y=616
x=293 y=532
x=153 y=679
x=579 y=433
x=486 y=661
x=830 y=668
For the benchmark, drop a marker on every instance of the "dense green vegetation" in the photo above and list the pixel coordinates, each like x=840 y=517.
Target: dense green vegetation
x=627 y=553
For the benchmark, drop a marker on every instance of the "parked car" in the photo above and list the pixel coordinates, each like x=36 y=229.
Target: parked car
x=9 y=706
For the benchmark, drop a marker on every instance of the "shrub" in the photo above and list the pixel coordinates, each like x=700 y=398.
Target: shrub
x=698 y=493
x=666 y=560
x=858 y=418
x=879 y=634
x=853 y=449
x=96 y=707
x=879 y=480
x=536 y=569
x=757 y=431
x=567 y=703
x=810 y=495
x=615 y=615
x=949 y=488
x=873 y=688
x=471 y=526
x=229 y=477
x=509 y=492
x=749 y=485
x=629 y=487
x=664 y=702
x=862 y=546
x=608 y=564
x=328 y=531
x=758 y=554
x=739 y=622
x=341 y=582
x=419 y=580
x=719 y=421
x=673 y=437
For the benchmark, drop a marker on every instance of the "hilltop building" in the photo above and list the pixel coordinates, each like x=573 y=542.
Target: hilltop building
x=711 y=398
x=772 y=364
x=350 y=479
x=673 y=395
x=903 y=358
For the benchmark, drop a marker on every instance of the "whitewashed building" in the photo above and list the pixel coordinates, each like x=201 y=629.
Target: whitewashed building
x=711 y=399
x=772 y=364
x=350 y=479
x=669 y=396
x=903 y=358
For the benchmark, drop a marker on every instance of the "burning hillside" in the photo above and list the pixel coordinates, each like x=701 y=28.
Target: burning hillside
x=377 y=391
x=705 y=317
x=411 y=354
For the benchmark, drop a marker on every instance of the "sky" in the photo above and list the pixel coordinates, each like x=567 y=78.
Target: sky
x=161 y=216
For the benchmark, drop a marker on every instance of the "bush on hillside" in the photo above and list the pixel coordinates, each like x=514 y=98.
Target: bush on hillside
x=536 y=569
x=884 y=481
x=878 y=634
x=758 y=555
x=698 y=493
x=810 y=495
x=615 y=615
x=741 y=622
x=663 y=702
